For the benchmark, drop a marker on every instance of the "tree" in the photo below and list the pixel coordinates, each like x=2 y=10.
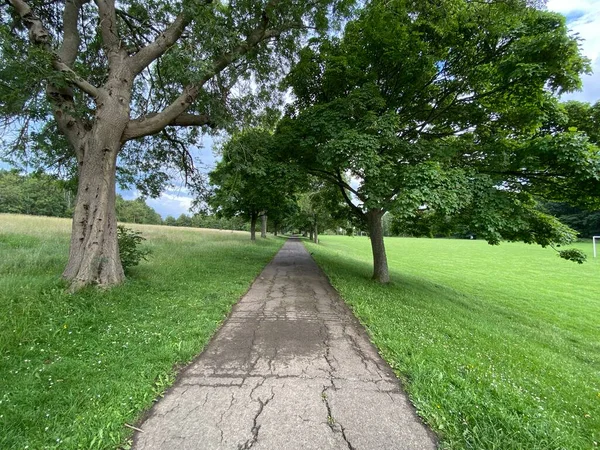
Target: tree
x=136 y=211
x=247 y=182
x=37 y=194
x=184 y=221
x=170 y=221
x=114 y=82
x=439 y=107
x=586 y=223
x=322 y=207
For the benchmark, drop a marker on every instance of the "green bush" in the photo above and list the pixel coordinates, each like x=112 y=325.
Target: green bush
x=129 y=247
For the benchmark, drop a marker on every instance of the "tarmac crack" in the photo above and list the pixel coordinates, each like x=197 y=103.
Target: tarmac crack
x=218 y=424
x=332 y=423
x=255 y=426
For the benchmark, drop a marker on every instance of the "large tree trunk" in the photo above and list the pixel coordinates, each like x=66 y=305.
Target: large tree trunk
x=253 y=218
x=316 y=233
x=263 y=225
x=94 y=251
x=380 y=266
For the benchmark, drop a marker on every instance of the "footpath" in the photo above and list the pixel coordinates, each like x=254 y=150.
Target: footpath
x=291 y=368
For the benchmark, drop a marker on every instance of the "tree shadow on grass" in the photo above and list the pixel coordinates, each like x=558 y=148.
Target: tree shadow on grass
x=403 y=287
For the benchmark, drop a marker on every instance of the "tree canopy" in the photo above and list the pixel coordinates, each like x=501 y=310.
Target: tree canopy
x=440 y=108
x=96 y=86
x=248 y=182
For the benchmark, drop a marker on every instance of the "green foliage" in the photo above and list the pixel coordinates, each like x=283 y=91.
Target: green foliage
x=136 y=211
x=573 y=254
x=321 y=206
x=218 y=223
x=498 y=347
x=130 y=249
x=248 y=180
x=77 y=367
x=586 y=223
x=446 y=115
x=36 y=194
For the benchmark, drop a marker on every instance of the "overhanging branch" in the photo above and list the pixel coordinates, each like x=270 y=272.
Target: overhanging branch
x=154 y=124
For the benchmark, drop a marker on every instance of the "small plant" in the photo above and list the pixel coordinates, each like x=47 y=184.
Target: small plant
x=129 y=247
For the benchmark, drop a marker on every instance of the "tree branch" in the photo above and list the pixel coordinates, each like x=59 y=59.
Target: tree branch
x=162 y=43
x=61 y=99
x=138 y=128
x=70 y=45
x=75 y=79
x=156 y=123
x=359 y=212
x=108 y=25
x=166 y=39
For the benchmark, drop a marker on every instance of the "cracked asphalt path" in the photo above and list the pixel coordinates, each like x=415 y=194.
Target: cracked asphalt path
x=291 y=368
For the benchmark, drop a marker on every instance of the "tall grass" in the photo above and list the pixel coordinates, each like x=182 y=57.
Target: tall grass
x=74 y=369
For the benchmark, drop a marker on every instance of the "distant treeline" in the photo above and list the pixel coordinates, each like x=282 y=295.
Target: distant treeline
x=37 y=194
x=587 y=223
x=40 y=194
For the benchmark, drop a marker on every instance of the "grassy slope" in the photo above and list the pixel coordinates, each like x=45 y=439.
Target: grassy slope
x=499 y=347
x=75 y=368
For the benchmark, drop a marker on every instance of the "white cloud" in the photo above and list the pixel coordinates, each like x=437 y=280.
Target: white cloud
x=171 y=203
x=583 y=18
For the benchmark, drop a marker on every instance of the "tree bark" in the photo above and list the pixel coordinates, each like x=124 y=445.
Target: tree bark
x=311 y=235
x=253 y=218
x=263 y=226
x=316 y=233
x=380 y=266
x=94 y=251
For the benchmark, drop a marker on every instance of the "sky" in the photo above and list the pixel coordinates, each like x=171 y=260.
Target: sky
x=176 y=200
x=583 y=17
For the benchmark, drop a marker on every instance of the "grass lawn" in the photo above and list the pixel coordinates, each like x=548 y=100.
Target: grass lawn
x=498 y=347
x=75 y=368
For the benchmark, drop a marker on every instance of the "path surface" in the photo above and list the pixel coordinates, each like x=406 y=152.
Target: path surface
x=290 y=369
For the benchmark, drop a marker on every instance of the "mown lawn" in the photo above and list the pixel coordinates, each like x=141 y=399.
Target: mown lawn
x=498 y=347
x=75 y=368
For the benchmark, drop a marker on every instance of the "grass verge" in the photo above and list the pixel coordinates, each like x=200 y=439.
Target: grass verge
x=498 y=347
x=75 y=368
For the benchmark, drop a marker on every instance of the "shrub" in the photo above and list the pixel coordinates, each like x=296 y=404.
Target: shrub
x=129 y=247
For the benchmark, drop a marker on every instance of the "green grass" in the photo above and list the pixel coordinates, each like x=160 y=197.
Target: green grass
x=498 y=347
x=75 y=368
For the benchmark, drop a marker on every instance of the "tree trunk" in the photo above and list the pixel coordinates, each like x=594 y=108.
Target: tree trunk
x=316 y=236
x=263 y=225
x=253 y=218
x=311 y=235
x=94 y=251
x=380 y=266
